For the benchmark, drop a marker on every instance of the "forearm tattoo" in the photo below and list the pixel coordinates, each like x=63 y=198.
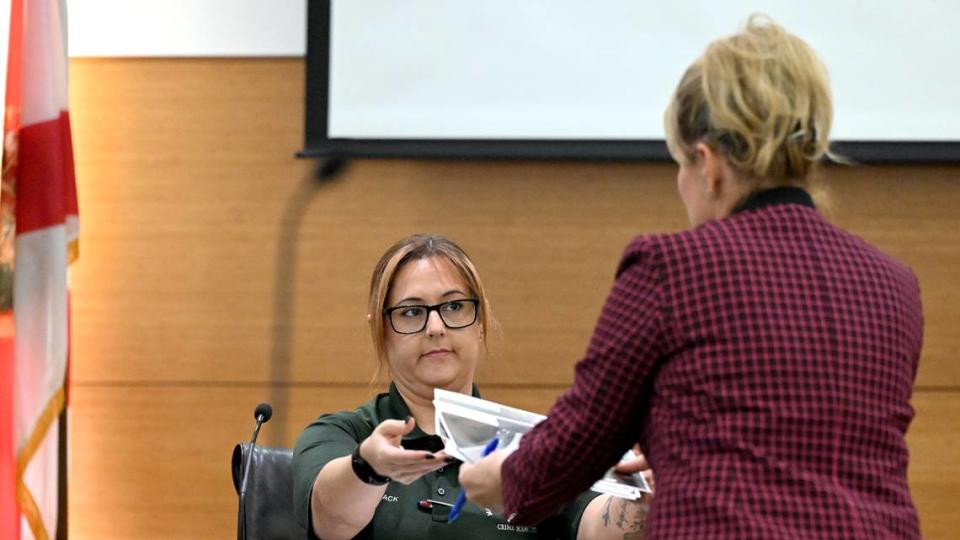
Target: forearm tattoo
x=629 y=517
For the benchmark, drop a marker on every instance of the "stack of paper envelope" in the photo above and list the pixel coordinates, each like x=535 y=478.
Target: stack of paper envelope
x=466 y=424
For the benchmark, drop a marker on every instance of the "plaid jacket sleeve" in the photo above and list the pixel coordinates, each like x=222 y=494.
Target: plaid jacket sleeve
x=594 y=422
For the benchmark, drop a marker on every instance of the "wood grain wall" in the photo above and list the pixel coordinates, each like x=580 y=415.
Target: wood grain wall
x=215 y=274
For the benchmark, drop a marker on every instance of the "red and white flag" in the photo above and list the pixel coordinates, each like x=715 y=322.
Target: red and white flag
x=38 y=240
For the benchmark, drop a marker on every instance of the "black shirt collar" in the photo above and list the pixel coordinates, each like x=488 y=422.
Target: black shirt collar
x=775 y=196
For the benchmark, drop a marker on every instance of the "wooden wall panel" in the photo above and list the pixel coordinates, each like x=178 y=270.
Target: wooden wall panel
x=214 y=270
x=934 y=443
x=153 y=461
x=209 y=248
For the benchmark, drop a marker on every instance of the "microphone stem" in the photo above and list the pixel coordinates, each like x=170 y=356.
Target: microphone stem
x=246 y=467
x=241 y=516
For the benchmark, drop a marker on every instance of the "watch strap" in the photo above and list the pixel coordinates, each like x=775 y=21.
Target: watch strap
x=364 y=471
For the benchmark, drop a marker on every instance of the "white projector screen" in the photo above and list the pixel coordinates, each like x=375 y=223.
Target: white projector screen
x=459 y=73
x=185 y=28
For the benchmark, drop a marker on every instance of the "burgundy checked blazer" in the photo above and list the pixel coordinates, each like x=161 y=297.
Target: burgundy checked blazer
x=765 y=364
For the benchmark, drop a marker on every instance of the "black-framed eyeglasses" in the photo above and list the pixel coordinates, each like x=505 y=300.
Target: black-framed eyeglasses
x=410 y=319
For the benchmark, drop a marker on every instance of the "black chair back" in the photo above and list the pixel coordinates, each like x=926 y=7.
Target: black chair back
x=269 y=513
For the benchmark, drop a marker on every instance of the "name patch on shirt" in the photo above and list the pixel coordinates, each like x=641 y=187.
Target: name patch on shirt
x=516 y=528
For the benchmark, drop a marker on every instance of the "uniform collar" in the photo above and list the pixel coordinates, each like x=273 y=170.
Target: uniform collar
x=773 y=197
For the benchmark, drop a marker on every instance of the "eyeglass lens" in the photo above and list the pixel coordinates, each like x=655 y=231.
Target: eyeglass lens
x=413 y=319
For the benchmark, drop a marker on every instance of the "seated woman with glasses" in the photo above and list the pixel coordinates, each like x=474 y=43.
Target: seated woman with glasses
x=379 y=471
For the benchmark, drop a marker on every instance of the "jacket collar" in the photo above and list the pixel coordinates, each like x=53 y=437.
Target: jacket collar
x=775 y=196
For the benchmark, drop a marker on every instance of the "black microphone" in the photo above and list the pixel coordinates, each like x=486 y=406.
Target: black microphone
x=261 y=414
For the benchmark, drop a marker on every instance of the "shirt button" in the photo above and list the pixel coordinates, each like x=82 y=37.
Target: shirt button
x=441 y=491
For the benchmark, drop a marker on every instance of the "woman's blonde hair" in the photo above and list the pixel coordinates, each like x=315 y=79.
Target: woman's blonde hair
x=761 y=98
x=413 y=248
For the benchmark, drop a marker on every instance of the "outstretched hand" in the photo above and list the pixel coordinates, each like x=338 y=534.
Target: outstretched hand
x=382 y=450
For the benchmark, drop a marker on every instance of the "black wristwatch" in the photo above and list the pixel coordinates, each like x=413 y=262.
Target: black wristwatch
x=364 y=471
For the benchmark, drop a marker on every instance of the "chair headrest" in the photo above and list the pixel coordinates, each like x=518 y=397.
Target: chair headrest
x=272 y=461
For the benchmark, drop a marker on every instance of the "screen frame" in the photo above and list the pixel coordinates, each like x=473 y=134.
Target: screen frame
x=318 y=144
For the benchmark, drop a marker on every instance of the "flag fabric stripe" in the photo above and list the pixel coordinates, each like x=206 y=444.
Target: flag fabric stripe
x=43 y=427
x=43 y=66
x=42 y=445
x=69 y=180
x=41 y=355
x=14 y=59
x=9 y=515
x=39 y=191
x=41 y=176
x=40 y=325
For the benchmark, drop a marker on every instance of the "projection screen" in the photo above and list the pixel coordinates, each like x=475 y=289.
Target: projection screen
x=564 y=78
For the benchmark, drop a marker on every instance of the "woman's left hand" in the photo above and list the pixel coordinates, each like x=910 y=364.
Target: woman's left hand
x=481 y=481
x=637 y=465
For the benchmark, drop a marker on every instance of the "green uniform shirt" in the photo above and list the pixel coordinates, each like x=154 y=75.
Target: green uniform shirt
x=399 y=515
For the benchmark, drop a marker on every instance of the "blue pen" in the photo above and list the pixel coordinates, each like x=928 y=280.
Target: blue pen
x=462 y=497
